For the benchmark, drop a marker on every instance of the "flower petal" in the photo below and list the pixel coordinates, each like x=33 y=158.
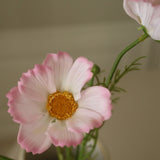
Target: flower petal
x=145 y=14
x=37 y=83
x=22 y=109
x=61 y=64
x=94 y=107
x=61 y=136
x=131 y=7
x=27 y=102
x=32 y=136
x=154 y=26
x=84 y=120
x=79 y=74
x=97 y=99
x=153 y=2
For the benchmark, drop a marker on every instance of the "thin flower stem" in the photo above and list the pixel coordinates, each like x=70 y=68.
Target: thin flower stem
x=91 y=81
x=98 y=81
x=77 y=151
x=68 y=153
x=82 y=147
x=4 y=158
x=94 y=145
x=59 y=153
x=129 y=47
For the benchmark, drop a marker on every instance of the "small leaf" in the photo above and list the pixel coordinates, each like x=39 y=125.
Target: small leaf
x=157 y=41
x=4 y=158
x=134 y=69
x=133 y=66
x=104 y=79
x=137 y=64
x=118 y=89
x=115 y=100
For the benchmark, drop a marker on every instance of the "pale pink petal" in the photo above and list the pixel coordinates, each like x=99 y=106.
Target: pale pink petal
x=145 y=14
x=153 y=2
x=37 y=83
x=97 y=99
x=27 y=102
x=32 y=137
x=61 y=64
x=79 y=74
x=61 y=136
x=132 y=9
x=154 y=25
x=84 y=120
x=23 y=110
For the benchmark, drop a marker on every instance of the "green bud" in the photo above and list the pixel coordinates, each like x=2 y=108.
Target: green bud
x=96 y=69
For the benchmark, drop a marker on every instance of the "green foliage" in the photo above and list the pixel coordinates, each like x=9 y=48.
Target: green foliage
x=134 y=66
x=118 y=75
x=84 y=151
x=96 y=69
x=87 y=147
x=157 y=41
x=143 y=28
x=4 y=158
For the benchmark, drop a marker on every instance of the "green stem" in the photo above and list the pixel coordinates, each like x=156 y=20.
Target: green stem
x=133 y=44
x=59 y=153
x=82 y=147
x=77 y=151
x=94 y=145
x=91 y=81
x=68 y=155
x=4 y=158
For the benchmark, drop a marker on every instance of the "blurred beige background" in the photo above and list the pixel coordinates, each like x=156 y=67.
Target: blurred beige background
x=98 y=30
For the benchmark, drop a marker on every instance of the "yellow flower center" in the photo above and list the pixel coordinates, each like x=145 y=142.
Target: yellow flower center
x=61 y=105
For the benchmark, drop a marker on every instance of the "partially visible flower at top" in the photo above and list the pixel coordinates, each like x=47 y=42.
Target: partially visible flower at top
x=50 y=106
x=145 y=14
x=153 y=2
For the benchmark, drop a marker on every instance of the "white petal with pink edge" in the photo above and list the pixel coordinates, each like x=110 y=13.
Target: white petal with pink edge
x=153 y=2
x=154 y=25
x=84 y=120
x=97 y=99
x=27 y=102
x=61 y=136
x=78 y=75
x=145 y=14
x=22 y=109
x=61 y=64
x=37 y=83
x=32 y=137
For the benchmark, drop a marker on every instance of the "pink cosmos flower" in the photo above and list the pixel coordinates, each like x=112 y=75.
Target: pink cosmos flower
x=145 y=14
x=153 y=2
x=51 y=108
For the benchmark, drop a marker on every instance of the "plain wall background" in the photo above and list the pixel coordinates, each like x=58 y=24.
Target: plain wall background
x=37 y=13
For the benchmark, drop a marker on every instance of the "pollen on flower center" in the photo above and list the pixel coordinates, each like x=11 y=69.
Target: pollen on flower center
x=61 y=105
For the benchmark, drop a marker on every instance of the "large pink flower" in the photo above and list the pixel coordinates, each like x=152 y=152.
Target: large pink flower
x=50 y=106
x=145 y=14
